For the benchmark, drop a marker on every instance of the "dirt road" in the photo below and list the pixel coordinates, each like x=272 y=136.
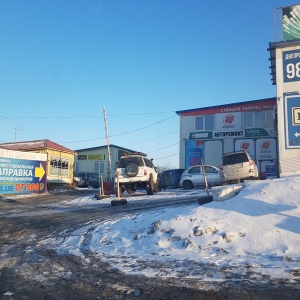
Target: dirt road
x=29 y=269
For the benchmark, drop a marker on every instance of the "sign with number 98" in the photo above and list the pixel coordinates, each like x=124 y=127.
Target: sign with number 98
x=293 y=70
x=291 y=65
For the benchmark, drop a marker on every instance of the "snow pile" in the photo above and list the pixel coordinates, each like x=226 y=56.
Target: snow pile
x=258 y=230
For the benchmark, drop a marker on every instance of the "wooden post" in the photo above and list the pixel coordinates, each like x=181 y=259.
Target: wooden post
x=205 y=179
x=101 y=183
x=118 y=187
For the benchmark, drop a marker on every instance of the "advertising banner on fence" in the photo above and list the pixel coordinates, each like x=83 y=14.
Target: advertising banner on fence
x=22 y=172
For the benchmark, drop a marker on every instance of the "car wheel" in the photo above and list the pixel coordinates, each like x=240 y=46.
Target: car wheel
x=150 y=190
x=131 y=170
x=187 y=185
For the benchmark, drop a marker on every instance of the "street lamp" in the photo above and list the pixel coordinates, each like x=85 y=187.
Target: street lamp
x=16 y=128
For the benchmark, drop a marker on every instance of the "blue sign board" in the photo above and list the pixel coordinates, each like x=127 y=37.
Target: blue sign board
x=291 y=65
x=271 y=170
x=292 y=118
x=193 y=153
x=22 y=172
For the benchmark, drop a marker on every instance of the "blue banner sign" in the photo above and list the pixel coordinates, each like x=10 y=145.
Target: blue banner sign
x=292 y=117
x=291 y=65
x=22 y=172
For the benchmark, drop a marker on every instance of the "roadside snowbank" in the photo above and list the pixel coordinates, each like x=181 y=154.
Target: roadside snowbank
x=257 y=232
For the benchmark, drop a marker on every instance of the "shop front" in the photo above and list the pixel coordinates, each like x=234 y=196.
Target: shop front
x=208 y=133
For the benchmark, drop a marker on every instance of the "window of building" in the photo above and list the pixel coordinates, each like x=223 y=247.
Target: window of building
x=99 y=167
x=248 y=120
x=77 y=167
x=259 y=119
x=199 y=124
x=270 y=116
x=205 y=122
x=59 y=166
x=210 y=122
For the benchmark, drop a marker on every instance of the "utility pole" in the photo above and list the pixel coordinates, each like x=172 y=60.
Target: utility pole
x=16 y=128
x=108 y=149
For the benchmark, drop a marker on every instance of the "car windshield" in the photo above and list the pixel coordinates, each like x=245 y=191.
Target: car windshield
x=236 y=158
x=123 y=162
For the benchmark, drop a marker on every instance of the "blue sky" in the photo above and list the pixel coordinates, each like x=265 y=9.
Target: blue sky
x=63 y=61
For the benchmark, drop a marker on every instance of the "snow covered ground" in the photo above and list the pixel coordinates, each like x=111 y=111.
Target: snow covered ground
x=256 y=231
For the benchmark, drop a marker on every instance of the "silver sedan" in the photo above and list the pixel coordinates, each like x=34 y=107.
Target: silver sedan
x=194 y=176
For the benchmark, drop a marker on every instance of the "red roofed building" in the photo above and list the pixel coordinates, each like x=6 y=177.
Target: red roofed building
x=60 y=160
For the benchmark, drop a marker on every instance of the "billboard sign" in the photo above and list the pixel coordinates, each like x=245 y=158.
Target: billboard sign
x=193 y=153
x=91 y=157
x=22 y=172
x=266 y=149
x=291 y=22
x=247 y=145
x=257 y=132
x=291 y=65
x=202 y=135
x=228 y=121
x=292 y=121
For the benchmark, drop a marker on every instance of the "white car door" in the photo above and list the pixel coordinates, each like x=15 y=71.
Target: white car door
x=212 y=175
x=196 y=176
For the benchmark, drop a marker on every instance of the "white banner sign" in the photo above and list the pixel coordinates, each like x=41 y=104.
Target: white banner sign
x=247 y=145
x=228 y=121
x=266 y=149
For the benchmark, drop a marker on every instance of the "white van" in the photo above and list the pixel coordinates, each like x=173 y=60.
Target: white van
x=238 y=166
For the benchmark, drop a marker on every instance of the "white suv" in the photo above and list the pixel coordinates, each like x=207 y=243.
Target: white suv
x=238 y=166
x=135 y=171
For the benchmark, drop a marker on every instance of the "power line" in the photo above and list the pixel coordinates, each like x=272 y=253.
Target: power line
x=140 y=114
x=151 y=138
x=93 y=116
x=123 y=132
x=163 y=148
x=166 y=156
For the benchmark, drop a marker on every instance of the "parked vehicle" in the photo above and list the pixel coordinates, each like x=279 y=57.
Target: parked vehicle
x=238 y=166
x=87 y=179
x=169 y=178
x=135 y=171
x=78 y=181
x=194 y=176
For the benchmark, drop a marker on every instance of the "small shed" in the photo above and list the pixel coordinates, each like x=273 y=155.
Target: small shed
x=60 y=160
x=95 y=160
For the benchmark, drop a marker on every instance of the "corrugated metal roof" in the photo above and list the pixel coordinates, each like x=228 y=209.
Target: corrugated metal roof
x=35 y=145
